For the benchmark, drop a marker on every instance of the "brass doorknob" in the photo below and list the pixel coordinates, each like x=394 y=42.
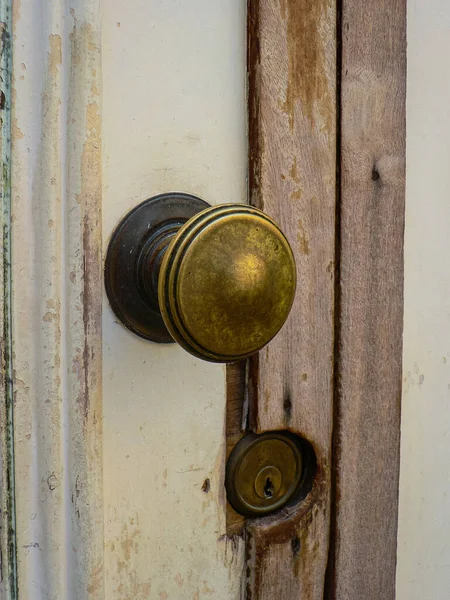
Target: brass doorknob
x=218 y=280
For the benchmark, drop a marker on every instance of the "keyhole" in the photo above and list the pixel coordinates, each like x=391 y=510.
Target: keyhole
x=268 y=488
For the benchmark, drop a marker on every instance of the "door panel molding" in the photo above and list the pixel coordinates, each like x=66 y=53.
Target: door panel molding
x=57 y=293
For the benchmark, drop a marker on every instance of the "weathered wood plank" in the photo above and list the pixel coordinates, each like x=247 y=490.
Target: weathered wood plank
x=164 y=410
x=292 y=78
x=367 y=411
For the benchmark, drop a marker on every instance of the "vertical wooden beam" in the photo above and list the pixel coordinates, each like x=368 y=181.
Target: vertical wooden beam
x=292 y=122
x=367 y=411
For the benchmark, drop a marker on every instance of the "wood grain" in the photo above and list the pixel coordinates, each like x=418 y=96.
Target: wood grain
x=367 y=410
x=236 y=423
x=292 y=117
x=8 y=567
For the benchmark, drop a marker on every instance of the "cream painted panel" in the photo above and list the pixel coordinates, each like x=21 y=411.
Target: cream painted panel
x=423 y=571
x=174 y=118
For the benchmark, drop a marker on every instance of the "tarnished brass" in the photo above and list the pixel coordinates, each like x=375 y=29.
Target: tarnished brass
x=227 y=283
x=264 y=472
x=218 y=280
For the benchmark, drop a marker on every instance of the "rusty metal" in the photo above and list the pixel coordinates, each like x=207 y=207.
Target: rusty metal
x=218 y=280
x=265 y=472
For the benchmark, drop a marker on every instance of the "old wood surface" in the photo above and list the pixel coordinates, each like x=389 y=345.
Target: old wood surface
x=369 y=350
x=235 y=428
x=292 y=114
x=306 y=101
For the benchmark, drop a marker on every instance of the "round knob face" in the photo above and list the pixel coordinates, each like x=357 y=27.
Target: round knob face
x=227 y=283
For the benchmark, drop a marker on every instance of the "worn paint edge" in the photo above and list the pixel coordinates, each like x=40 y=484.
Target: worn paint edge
x=8 y=549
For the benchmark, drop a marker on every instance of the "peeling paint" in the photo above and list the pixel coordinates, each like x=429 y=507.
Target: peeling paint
x=54 y=55
x=126 y=545
x=57 y=260
x=8 y=542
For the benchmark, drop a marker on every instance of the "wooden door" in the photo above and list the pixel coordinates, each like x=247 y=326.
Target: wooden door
x=114 y=480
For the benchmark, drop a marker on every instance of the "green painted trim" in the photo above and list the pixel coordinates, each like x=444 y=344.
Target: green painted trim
x=8 y=573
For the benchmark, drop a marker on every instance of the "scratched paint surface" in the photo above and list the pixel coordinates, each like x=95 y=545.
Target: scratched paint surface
x=173 y=119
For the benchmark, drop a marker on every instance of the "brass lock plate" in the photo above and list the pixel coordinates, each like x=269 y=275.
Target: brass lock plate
x=264 y=472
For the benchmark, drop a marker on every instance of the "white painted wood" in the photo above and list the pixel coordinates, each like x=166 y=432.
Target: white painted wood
x=122 y=516
x=174 y=118
x=57 y=287
x=423 y=570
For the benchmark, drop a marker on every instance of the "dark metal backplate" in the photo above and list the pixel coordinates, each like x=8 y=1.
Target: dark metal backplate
x=122 y=284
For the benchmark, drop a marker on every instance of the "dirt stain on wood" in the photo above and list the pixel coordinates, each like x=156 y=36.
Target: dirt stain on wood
x=307 y=70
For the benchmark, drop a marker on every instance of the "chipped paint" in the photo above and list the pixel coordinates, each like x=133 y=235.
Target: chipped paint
x=255 y=139
x=54 y=54
x=302 y=237
x=307 y=81
x=292 y=534
x=58 y=320
x=57 y=301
